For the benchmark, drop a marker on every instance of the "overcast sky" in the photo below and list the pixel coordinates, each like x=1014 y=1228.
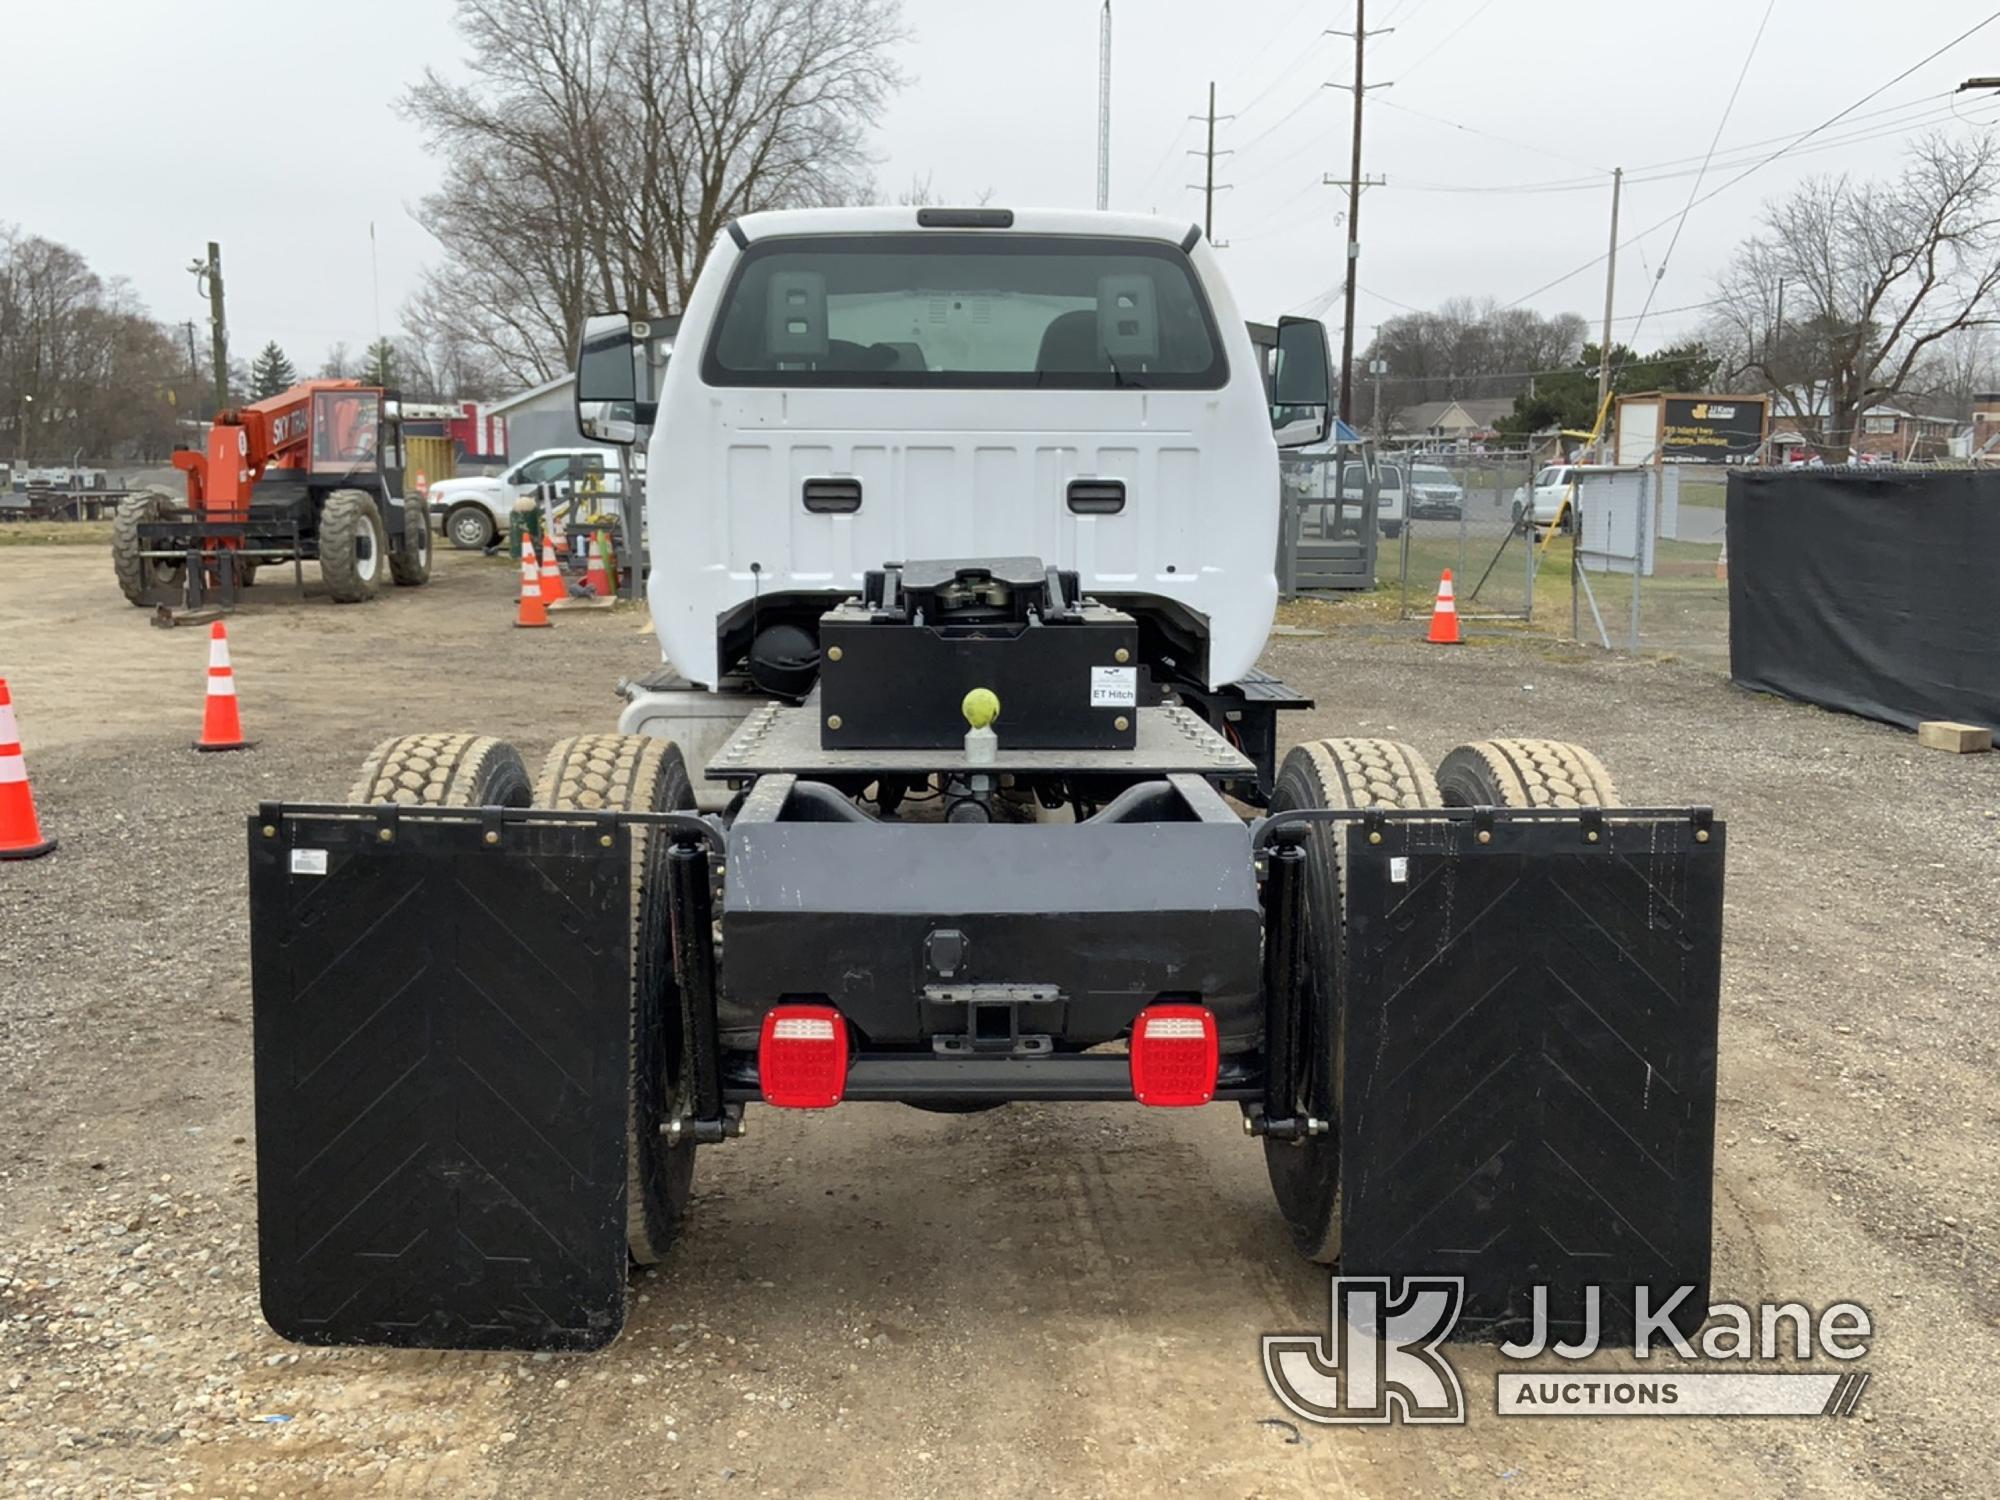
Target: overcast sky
x=118 y=109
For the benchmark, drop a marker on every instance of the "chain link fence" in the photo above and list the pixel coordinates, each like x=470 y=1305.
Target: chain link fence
x=1328 y=538
x=1355 y=516
x=1459 y=511
x=1637 y=564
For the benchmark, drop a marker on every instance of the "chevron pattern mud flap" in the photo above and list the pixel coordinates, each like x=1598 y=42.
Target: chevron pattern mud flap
x=1529 y=1062
x=441 y=1010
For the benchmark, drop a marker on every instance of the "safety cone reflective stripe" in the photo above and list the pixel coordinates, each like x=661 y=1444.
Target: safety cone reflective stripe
x=598 y=578
x=20 y=833
x=533 y=612
x=1444 y=615
x=553 y=587
x=221 y=722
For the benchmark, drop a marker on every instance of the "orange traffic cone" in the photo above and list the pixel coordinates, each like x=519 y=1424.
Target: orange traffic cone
x=1444 y=615
x=533 y=613
x=20 y=835
x=221 y=724
x=553 y=587
x=598 y=578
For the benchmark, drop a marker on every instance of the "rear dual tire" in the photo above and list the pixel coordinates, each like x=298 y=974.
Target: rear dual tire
x=1359 y=774
x=588 y=773
x=639 y=773
x=443 y=770
x=1342 y=773
x=1525 y=773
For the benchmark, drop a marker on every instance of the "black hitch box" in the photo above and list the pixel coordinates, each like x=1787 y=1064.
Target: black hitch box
x=896 y=663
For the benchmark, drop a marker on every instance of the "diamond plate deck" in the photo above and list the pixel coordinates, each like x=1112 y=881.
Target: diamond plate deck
x=774 y=740
x=441 y=1036
x=1529 y=1062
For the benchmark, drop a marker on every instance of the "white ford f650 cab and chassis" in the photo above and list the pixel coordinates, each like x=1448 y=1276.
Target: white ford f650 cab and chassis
x=963 y=529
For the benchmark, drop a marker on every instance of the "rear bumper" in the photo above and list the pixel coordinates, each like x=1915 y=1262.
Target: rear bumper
x=1060 y=935
x=918 y=1077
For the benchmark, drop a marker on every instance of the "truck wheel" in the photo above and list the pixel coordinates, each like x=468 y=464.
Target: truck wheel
x=1525 y=773
x=443 y=770
x=412 y=565
x=470 y=528
x=1305 y=1175
x=352 y=546
x=142 y=579
x=639 y=773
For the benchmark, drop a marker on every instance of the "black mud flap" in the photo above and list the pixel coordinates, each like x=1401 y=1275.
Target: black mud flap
x=441 y=1020
x=1529 y=1063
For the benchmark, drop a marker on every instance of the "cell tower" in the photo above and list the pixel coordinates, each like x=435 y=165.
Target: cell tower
x=1104 y=109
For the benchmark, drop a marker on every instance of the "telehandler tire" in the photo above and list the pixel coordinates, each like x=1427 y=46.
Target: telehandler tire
x=144 y=581
x=411 y=565
x=1356 y=773
x=353 y=546
x=443 y=770
x=640 y=773
x=1525 y=773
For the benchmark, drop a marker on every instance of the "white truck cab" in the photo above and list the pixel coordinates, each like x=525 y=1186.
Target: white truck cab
x=472 y=511
x=853 y=387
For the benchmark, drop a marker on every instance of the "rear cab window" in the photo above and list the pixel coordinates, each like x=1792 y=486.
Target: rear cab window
x=985 y=311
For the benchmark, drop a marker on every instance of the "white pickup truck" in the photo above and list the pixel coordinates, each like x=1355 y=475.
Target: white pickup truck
x=473 y=512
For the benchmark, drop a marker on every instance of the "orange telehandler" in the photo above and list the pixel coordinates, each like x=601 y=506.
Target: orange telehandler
x=314 y=473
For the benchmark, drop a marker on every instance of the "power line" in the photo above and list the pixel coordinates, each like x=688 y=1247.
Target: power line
x=1283 y=121
x=1727 y=109
x=1449 y=38
x=1735 y=155
x=1494 y=136
x=1165 y=156
x=1766 y=161
x=1277 y=80
x=1262 y=52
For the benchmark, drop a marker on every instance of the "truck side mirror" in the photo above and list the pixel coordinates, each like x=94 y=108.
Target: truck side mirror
x=1302 y=386
x=608 y=408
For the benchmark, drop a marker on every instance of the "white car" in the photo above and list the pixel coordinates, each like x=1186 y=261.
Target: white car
x=473 y=512
x=1546 y=497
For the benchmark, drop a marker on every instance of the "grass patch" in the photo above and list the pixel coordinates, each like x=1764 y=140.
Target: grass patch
x=55 y=534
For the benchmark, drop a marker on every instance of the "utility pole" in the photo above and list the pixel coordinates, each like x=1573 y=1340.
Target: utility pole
x=1104 y=109
x=208 y=277
x=1207 y=185
x=194 y=370
x=1610 y=282
x=1378 y=368
x=1354 y=184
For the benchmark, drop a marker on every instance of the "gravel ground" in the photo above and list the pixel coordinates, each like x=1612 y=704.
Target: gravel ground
x=1064 y=1300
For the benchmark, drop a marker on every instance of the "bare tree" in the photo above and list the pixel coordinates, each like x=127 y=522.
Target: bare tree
x=921 y=194
x=599 y=147
x=83 y=369
x=1469 y=348
x=1962 y=365
x=1872 y=276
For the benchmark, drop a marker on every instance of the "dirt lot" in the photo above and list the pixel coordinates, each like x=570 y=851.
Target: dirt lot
x=1041 y=1299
